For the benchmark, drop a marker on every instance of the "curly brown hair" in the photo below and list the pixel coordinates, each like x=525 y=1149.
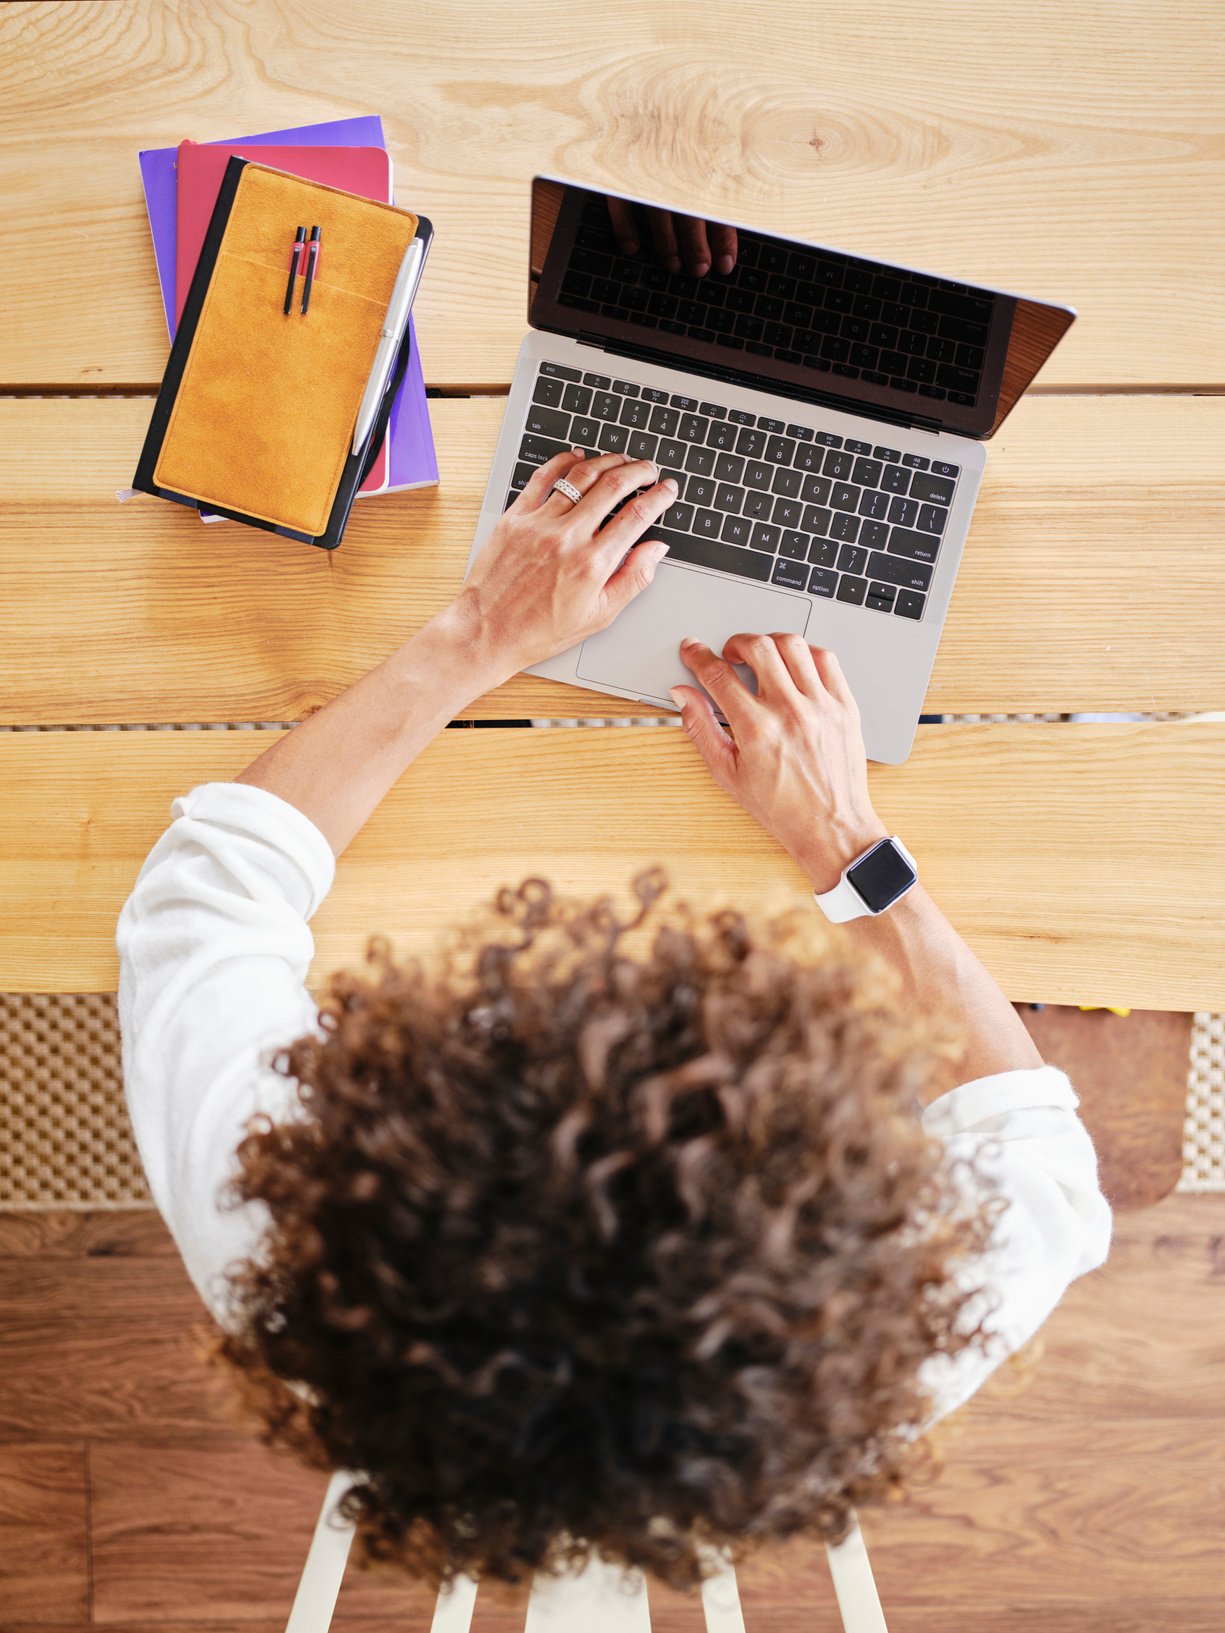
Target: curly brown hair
x=574 y=1247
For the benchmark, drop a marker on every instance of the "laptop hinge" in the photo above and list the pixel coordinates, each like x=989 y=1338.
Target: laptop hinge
x=737 y=377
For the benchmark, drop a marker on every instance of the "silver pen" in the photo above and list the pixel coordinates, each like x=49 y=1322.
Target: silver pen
x=390 y=336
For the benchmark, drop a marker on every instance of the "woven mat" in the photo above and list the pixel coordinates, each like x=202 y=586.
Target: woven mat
x=65 y=1140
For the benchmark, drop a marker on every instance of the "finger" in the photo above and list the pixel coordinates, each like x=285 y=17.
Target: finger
x=763 y=658
x=625 y=228
x=830 y=671
x=695 y=251
x=632 y=520
x=584 y=474
x=664 y=234
x=633 y=576
x=544 y=476
x=724 y=246
x=720 y=680
x=705 y=733
x=796 y=653
x=607 y=492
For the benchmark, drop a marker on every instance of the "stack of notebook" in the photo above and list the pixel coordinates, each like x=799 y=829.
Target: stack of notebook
x=181 y=186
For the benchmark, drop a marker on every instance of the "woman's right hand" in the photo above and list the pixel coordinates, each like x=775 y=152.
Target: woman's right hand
x=796 y=760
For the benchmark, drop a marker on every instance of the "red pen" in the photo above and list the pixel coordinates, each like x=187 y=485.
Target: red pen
x=311 y=257
x=293 y=268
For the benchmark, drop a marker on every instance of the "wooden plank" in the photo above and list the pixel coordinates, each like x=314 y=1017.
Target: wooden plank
x=70 y=1233
x=44 y=1567
x=1028 y=179
x=1061 y=603
x=1085 y=864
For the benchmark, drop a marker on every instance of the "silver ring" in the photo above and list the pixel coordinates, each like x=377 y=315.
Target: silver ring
x=568 y=488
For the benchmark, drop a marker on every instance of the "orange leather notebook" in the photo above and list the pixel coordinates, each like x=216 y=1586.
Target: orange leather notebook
x=257 y=409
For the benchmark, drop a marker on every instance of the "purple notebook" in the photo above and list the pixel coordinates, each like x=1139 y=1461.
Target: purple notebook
x=411 y=459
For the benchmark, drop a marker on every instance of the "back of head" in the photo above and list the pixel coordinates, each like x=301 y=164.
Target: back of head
x=604 y=1232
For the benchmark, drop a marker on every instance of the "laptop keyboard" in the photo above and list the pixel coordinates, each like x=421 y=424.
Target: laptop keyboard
x=787 y=504
x=827 y=312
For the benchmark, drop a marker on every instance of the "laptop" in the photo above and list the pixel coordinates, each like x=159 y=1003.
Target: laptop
x=824 y=417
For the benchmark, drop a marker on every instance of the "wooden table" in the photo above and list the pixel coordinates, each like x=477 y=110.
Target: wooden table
x=1069 y=156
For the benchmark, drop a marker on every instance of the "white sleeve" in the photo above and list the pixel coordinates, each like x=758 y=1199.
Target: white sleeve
x=1024 y=1130
x=214 y=947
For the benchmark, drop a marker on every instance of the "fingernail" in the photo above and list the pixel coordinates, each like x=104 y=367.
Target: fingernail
x=579 y=452
x=672 y=264
x=670 y=483
x=676 y=697
x=631 y=246
x=702 y=268
x=725 y=264
x=627 y=459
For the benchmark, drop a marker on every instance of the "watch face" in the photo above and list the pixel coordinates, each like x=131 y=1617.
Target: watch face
x=882 y=875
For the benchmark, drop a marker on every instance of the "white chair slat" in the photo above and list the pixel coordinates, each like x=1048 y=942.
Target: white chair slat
x=721 y=1603
x=855 y=1585
x=601 y=1599
x=324 y=1570
x=453 y=1611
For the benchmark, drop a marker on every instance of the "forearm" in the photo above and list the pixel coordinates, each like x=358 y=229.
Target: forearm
x=942 y=977
x=337 y=766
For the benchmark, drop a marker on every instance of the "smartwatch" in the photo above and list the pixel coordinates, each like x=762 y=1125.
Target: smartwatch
x=872 y=882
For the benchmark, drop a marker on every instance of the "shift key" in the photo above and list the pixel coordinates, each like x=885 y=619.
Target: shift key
x=904 y=541
x=724 y=558
x=908 y=575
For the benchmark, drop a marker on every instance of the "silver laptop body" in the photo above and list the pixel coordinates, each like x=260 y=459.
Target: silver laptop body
x=821 y=491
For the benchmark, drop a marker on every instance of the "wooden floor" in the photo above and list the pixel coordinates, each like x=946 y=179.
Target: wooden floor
x=1089 y=1497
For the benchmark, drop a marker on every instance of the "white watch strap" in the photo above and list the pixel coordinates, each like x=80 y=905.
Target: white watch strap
x=844 y=902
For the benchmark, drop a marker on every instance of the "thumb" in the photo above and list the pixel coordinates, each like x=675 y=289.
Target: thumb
x=633 y=575
x=704 y=731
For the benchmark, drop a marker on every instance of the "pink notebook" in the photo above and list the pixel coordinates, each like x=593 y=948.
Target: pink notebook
x=362 y=170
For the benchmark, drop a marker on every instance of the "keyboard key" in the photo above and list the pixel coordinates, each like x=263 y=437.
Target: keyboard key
x=873 y=503
x=724 y=558
x=707 y=523
x=879 y=603
x=548 y=392
x=821 y=581
x=712 y=411
x=786 y=483
x=909 y=604
x=873 y=534
x=941 y=468
x=919 y=546
x=751 y=442
x=736 y=530
x=605 y=406
x=623 y=388
x=882 y=592
x=547 y=422
x=763 y=423
x=585 y=433
x=867 y=472
x=916 y=462
x=853 y=590
x=779 y=450
x=613 y=438
x=823 y=552
x=794 y=545
x=536 y=450
x=557 y=371
x=816 y=490
x=852 y=558
x=757 y=474
x=510 y=499
x=671 y=453
x=932 y=519
x=838 y=464
x=808 y=457
x=758 y=505
x=577 y=399
x=844 y=497
x=816 y=520
x=765 y=536
x=787 y=512
x=722 y=435
x=600 y=382
x=522 y=476
x=686 y=404
x=887 y=454
x=653 y=394
x=896 y=479
x=678 y=516
x=908 y=575
x=641 y=445
x=664 y=421
x=827 y=439
x=802 y=433
x=903 y=512
x=701 y=461
x=852 y=445
x=700 y=490
x=729 y=468
x=791 y=574
x=739 y=416
x=728 y=497
x=693 y=427
x=635 y=414
x=937 y=488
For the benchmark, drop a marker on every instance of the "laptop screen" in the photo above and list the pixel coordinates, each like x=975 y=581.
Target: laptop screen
x=781 y=315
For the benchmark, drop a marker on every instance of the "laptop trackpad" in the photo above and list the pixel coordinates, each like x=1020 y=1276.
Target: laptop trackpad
x=638 y=651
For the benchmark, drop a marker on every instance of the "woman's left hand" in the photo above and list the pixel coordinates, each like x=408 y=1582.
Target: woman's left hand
x=555 y=571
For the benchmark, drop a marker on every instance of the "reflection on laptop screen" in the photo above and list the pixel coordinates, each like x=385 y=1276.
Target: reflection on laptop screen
x=788 y=316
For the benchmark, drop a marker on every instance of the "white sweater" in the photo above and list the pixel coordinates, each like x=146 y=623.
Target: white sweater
x=215 y=943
